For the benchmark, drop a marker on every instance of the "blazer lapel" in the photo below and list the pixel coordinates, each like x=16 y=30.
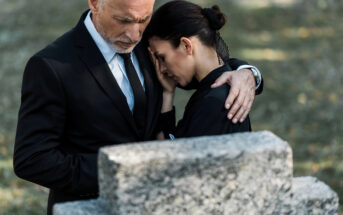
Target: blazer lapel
x=92 y=57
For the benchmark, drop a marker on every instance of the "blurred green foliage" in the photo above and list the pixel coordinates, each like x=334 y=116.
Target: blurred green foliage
x=296 y=44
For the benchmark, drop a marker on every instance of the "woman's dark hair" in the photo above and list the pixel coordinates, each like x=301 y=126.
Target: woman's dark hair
x=180 y=18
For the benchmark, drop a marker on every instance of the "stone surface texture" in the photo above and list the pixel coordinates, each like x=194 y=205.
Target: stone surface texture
x=246 y=173
x=90 y=207
x=226 y=174
x=311 y=196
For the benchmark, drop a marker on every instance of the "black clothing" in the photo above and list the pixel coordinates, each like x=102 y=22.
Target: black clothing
x=139 y=110
x=71 y=105
x=205 y=113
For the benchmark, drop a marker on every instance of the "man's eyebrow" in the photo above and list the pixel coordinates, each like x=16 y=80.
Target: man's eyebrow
x=145 y=19
x=127 y=19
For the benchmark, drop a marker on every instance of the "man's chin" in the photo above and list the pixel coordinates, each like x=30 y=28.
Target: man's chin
x=124 y=50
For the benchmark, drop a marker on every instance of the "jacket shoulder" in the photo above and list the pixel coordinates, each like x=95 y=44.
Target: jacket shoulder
x=61 y=48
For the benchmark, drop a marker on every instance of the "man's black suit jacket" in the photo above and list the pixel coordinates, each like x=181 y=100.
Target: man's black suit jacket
x=71 y=106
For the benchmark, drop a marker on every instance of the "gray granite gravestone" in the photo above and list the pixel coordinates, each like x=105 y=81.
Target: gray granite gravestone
x=246 y=173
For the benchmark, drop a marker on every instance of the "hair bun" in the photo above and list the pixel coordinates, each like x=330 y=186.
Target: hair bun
x=215 y=17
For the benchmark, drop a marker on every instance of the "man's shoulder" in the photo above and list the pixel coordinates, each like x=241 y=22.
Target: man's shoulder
x=61 y=48
x=59 y=56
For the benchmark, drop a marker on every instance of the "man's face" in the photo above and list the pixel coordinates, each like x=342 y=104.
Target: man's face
x=121 y=22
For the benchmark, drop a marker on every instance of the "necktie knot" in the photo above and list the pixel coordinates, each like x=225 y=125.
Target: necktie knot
x=125 y=56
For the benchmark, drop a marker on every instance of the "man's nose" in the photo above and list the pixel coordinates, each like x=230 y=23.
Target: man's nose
x=134 y=32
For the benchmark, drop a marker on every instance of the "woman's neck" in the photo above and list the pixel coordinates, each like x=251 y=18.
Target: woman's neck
x=207 y=61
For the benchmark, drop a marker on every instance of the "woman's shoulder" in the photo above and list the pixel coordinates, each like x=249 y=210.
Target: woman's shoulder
x=219 y=93
x=209 y=99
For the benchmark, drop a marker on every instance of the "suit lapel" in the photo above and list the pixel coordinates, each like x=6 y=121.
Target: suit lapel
x=92 y=57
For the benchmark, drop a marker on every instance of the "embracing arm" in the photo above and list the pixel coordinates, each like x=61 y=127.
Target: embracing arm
x=39 y=156
x=243 y=88
x=241 y=65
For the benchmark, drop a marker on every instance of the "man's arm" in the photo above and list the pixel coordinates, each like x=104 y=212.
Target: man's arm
x=39 y=156
x=243 y=89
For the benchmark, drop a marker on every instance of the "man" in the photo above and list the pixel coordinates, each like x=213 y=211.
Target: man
x=79 y=94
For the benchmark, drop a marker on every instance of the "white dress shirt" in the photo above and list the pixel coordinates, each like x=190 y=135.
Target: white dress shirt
x=115 y=62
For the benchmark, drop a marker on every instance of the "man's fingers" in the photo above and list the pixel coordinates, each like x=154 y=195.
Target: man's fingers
x=243 y=110
x=236 y=106
x=233 y=94
x=223 y=79
x=246 y=107
x=238 y=115
x=246 y=112
x=233 y=112
x=241 y=95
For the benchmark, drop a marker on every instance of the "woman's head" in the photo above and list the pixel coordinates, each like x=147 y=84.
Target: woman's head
x=177 y=29
x=179 y=18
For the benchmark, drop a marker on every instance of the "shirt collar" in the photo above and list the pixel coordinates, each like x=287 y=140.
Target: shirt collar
x=105 y=48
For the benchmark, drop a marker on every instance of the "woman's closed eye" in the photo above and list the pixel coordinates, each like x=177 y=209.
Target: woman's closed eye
x=160 y=58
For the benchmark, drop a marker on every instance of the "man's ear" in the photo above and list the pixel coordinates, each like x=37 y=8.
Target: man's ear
x=94 y=5
x=187 y=45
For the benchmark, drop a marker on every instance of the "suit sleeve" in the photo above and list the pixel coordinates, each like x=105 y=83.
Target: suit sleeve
x=235 y=63
x=38 y=153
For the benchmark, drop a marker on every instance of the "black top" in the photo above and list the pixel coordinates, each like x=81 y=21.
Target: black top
x=205 y=113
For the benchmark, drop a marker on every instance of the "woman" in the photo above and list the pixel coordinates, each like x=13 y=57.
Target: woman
x=185 y=44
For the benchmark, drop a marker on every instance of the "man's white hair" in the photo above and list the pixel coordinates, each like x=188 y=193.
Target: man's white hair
x=102 y=2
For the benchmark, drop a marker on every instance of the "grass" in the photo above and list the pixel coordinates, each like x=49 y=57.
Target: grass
x=297 y=46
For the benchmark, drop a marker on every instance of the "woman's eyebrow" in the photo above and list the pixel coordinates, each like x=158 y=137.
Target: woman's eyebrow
x=158 y=55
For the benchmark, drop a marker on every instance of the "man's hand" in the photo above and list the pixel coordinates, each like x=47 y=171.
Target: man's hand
x=242 y=93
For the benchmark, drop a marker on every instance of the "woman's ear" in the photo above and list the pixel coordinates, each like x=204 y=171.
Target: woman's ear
x=187 y=45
